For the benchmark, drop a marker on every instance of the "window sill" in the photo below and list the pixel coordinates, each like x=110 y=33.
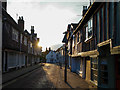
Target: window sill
x=88 y=39
x=92 y=82
x=78 y=43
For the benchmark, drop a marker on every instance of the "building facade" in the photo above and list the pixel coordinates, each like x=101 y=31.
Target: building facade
x=17 y=44
x=96 y=45
x=51 y=57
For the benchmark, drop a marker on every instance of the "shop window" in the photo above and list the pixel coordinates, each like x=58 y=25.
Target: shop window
x=94 y=69
x=103 y=72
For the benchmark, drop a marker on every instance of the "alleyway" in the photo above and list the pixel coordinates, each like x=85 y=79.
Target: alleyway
x=48 y=76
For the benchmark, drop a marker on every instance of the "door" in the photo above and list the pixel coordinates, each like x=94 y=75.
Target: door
x=88 y=73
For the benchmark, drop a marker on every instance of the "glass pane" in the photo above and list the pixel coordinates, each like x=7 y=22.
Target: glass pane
x=104 y=74
x=104 y=81
x=103 y=67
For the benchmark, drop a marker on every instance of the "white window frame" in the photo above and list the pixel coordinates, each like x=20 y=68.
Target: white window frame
x=89 y=27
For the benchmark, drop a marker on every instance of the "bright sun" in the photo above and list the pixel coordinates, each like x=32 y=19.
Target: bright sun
x=39 y=44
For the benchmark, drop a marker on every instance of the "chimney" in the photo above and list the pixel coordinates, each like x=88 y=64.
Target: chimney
x=4 y=5
x=32 y=30
x=84 y=10
x=21 y=22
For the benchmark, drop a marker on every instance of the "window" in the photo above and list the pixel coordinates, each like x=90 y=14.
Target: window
x=103 y=72
x=73 y=40
x=86 y=28
x=14 y=34
x=30 y=44
x=25 y=40
x=90 y=25
x=89 y=29
x=94 y=69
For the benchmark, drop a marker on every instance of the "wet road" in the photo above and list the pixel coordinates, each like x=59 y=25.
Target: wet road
x=39 y=78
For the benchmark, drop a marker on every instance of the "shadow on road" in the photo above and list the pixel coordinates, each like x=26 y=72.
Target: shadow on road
x=69 y=85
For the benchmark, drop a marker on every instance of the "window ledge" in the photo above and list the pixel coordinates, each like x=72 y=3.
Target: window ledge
x=88 y=39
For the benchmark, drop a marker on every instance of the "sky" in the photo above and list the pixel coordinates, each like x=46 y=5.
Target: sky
x=49 y=17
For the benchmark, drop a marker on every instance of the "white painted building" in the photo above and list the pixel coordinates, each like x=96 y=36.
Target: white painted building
x=51 y=57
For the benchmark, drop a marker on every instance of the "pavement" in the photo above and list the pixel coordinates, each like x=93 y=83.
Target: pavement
x=14 y=74
x=48 y=76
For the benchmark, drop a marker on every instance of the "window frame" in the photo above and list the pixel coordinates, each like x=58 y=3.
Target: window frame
x=15 y=34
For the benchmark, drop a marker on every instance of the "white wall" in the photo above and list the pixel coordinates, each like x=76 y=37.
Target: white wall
x=48 y=57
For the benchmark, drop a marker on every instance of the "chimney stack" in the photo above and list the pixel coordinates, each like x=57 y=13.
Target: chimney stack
x=32 y=30
x=21 y=22
x=84 y=10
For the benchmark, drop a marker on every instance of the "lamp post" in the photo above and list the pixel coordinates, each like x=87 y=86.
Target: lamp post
x=65 y=72
x=65 y=41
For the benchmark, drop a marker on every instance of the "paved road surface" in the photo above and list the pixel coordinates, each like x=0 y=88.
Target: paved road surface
x=47 y=76
x=38 y=78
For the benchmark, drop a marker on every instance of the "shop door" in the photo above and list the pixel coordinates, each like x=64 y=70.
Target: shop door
x=88 y=73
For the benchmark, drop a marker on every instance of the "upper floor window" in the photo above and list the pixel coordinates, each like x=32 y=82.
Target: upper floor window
x=14 y=34
x=90 y=25
x=89 y=29
x=30 y=44
x=73 y=40
x=25 y=40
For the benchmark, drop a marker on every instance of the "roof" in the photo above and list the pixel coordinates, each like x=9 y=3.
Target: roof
x=87 y=15
x=8 y=18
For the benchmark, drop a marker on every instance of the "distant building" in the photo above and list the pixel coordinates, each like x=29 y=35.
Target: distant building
x=51 y=57
x=60 y=55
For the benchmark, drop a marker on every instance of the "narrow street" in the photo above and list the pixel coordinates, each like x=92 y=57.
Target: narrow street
x=48 y=76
